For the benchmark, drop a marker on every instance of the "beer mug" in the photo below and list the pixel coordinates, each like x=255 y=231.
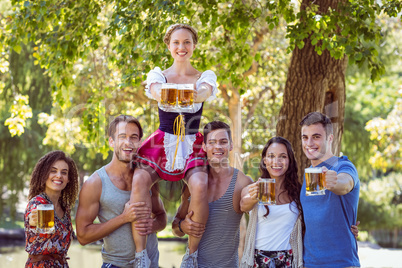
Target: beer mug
x=45 y=218
x=315 y=181
x=168 y=95
x=266 y=191
x=185 y=95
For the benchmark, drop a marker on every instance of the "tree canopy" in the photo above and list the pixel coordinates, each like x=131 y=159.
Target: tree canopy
x=88 y=59
x=130 y=34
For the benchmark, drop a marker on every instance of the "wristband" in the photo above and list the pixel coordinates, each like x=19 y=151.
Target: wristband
x=180 y=226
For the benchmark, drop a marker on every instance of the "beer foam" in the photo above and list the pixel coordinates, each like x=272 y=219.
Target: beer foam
x=313 y=170
x=169 y=85
x=43 y=207
x=185 y=86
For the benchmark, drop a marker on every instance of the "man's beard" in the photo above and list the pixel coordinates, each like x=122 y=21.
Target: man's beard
x=121 y=159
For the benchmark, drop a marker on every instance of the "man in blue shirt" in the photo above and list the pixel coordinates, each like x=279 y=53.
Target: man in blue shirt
x=328 y=241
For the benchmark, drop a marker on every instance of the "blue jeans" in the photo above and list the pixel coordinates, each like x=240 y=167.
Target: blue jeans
x=109 y=265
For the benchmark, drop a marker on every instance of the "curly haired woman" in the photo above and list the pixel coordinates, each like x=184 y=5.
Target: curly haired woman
x=54 y=180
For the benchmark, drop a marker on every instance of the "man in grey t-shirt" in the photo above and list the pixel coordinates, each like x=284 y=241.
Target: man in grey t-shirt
x=106 y=195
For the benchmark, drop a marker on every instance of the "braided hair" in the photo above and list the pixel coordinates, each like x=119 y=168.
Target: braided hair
x=174 y=27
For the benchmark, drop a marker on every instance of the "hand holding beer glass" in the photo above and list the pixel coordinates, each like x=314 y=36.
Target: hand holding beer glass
x=266 y=191
x=168 y=95
x=45 y=218
x=177 y=95
x=185 y=95
x=315 y=181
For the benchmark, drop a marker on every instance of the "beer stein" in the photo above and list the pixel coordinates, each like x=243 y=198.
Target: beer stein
x=168 y=95
x=45 y=218
x=185 y=95
x=315 y=181
x=266 y=191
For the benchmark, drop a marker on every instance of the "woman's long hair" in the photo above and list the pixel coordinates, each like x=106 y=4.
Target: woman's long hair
x=291 y=183
x=41 y=172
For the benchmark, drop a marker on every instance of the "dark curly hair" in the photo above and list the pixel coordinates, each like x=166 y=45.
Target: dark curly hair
x=41 y=172
x=292 y=183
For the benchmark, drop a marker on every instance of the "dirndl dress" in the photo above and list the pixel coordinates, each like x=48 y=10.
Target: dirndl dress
x=167 y=154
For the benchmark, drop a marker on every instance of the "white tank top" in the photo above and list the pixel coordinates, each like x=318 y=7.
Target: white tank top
x=273 y=231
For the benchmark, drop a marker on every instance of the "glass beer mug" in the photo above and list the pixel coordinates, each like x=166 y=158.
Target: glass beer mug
x=315 y=181
x=168 y=95
x=266 y=191
x=185 y=95
x=45 y=218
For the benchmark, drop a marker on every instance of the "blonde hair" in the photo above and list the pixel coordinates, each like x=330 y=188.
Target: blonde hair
x=172 y=28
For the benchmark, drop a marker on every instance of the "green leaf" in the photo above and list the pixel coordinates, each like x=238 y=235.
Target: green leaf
x=358 y=56
x=17 y=48
x=314 y=41
x=300 y=44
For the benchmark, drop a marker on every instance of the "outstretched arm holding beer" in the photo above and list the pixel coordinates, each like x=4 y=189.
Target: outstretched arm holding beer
x=339 y=184
x=202 y=93
x=33 y=217
x=88 y=208
x=249 y=197
x=156 y=91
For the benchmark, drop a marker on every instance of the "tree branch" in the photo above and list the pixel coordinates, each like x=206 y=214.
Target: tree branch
x=224 y=92
x=258 y=39
x=255 y=102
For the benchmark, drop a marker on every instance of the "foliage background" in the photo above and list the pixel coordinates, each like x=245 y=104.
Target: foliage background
x=67 y=67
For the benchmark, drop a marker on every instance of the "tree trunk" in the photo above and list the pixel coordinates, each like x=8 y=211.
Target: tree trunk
x=314 y=83
x=236 y=127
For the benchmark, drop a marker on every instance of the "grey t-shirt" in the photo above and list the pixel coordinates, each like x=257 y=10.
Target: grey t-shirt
x=118 y=247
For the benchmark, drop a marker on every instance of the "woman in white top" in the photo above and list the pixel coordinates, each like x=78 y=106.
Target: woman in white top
x=274 y=233
x=174 y=151
x=274 y=236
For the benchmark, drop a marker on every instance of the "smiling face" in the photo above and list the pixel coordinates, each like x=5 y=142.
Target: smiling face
x=58 y=177
x=277 y=160
x=126 y=141
x=181 y=45
x=316 y=145
x=217 y=147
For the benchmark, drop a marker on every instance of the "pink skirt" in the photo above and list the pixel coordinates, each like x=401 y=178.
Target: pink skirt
x=152 y=153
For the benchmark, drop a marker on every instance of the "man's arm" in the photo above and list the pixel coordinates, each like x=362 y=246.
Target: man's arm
x=88 y=208
x=158 y=220
x=242 y=182
x=187 y=225
x=339 y=184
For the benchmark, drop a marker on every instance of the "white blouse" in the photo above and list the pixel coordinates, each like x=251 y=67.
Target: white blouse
x=156 y=76
x=273 y=231
x=185 y=148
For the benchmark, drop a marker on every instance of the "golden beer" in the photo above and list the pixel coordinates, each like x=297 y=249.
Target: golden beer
x=185 y=95
x=315 y=181
x=168 y=95
x=45 y=218
x=266 y=191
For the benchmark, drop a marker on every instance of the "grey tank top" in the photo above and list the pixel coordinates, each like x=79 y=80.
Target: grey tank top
x=118 y=247
x=219 y=244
